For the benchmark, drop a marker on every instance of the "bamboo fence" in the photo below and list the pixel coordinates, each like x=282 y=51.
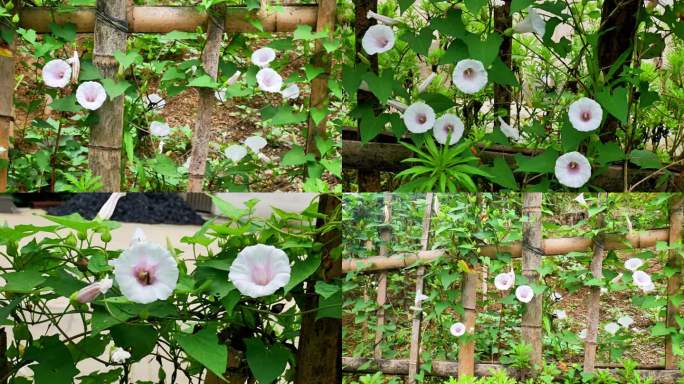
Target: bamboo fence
x=532 y=248
x=106 y=136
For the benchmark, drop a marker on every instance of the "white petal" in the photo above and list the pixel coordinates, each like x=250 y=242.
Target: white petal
x=383 y=19
x=378 y=39
x=508 y=130
x=236 y=152
x=159 y=129
x=419 y=117
x=573 y=169
x=470 y=76
x=533 y=23
x=426 y=83
x=524 y=293
x=260 y=270
x=269 y=80
x=91 y=95
x=149 y=257
x=625 y=321
x=256 y=143
x=57 y=73
x=262 y=57
x=156 y=101
x=458 y=329
x=220 y=94
x=290 y=92
x=585 y=114
x=504 y=281
x=234 y=78
x=633 y=264
x=444 y=126
x=611 y=328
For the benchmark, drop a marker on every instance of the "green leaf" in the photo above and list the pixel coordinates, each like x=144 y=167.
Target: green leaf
x=645 y=159
x=295 y=157
x=22 y=281
x=138 y=339
x=380 y=86
x=89 y=72
x=475 y=5
x=267 y=363
x=371 y=125
x=302 y=270
x=108 y=377
x=660 y=329
x=304 y=32
x=609 y=152
x=419 y=43
x=456 y=52
x=326 y=290
x=570 y=137
x=127 y=59
x=501 y=74
x=66 y=32
x=330 y=307
x=66 y=104
x=115 y=89
x=228 y=209
x=451 y=25
x=231 y=300
x=55 y=363
x=519 y=5
x=205 y=348
x=352 y=76
x=405 y=4
x=203 y=81
x=543 y=163
x=615 y=103
x=502 y=174
x=312 y=72
x=333 y=166
x=485 y=51
x=437 y=101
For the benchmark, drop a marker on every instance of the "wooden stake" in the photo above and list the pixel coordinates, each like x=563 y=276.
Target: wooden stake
x=319 y=85
x=531 y=254
x=466 y=353
x=674 y=283
x=593 y=301
x=104 y=155
x=202 y=132
x=385 y=237
x=414 y=351
x=6 y=110
x=502 y=93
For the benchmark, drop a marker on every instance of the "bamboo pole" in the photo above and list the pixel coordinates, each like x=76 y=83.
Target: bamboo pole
x=503 y=20
x=674 y=282
x=385 y=237
x=414 y=351
x=551 y=247
x=531 y=261
x=593 y=301
x=6 y=110
x=466 y=352
x=104 y=155
x=441 y=368
x=202 y=132
x=319 y=86
x=151 y=19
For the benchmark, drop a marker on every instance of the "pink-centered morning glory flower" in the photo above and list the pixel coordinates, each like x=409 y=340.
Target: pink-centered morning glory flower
x=269 y=80
x=625 y=321
x=611 y=328
x=159 y=129
x=642 y=279
x=255 y=143
x=573 y=169
x=458 y=329
x=260 y=270
x=290 y=92
x=419 y=117
x=446 y=125
x=145 y=273
x=504 y=281
x=75 y=67
x=57 y=73
x=469 y=76
x=633 y=264
x=378 y=39
x=524 y=293
x=92 y=291
x=508 y=130
x=585 y=114
x=91 y=95
x=262 y=57
x=235 y=152
x=533 y=23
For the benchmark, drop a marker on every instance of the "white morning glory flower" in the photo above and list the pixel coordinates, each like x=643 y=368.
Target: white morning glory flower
x=269 y=80
x=262 y=57
x=524 y=293
x=446 y=125
x=378 y=39
x=458 y=329
x=625 y=321
x=91 y=95
x=642 y=279
x=533 y=23
x=419 y=117
x=260 y=270
x=611 y=328
x=582 y=334
x=235 y=152
x=469 y=76
x=556 y=296
x=633 y=264
x=256 y=143
x=57 y=73
x=560 y=314
x=145 y=273
x=290 y=92
x=154 y=100
x=508 y=130
x=120 y=355
x=573 y=169
x=585 y=114
x=159 y=129
x=504 y=281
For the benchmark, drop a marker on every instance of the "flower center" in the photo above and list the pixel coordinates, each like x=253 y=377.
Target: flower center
x=90 y=98
x=448 y=128
x=586 y=116
x=469 y=73
x=382 y=41
x=60 y=74
x=261 y=274
x=144 y=277
x=421 y=118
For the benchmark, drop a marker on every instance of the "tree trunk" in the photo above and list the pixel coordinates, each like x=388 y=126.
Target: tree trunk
x=594 y=299
x=532 y=252
x=502 y=94
x=104 y=155
x=6 y=110
x=202 y=133
x=319 y=355
x=616 y=37
x=674 y=283
x=368 y=180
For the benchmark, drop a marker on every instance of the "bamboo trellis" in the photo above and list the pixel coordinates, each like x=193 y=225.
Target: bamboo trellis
x=112 y=20
x=532 y=248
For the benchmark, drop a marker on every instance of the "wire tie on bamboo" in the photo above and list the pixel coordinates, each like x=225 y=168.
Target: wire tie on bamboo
x=536 y=250
x=10 y=117
x=103 y=147
x=103 y=16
